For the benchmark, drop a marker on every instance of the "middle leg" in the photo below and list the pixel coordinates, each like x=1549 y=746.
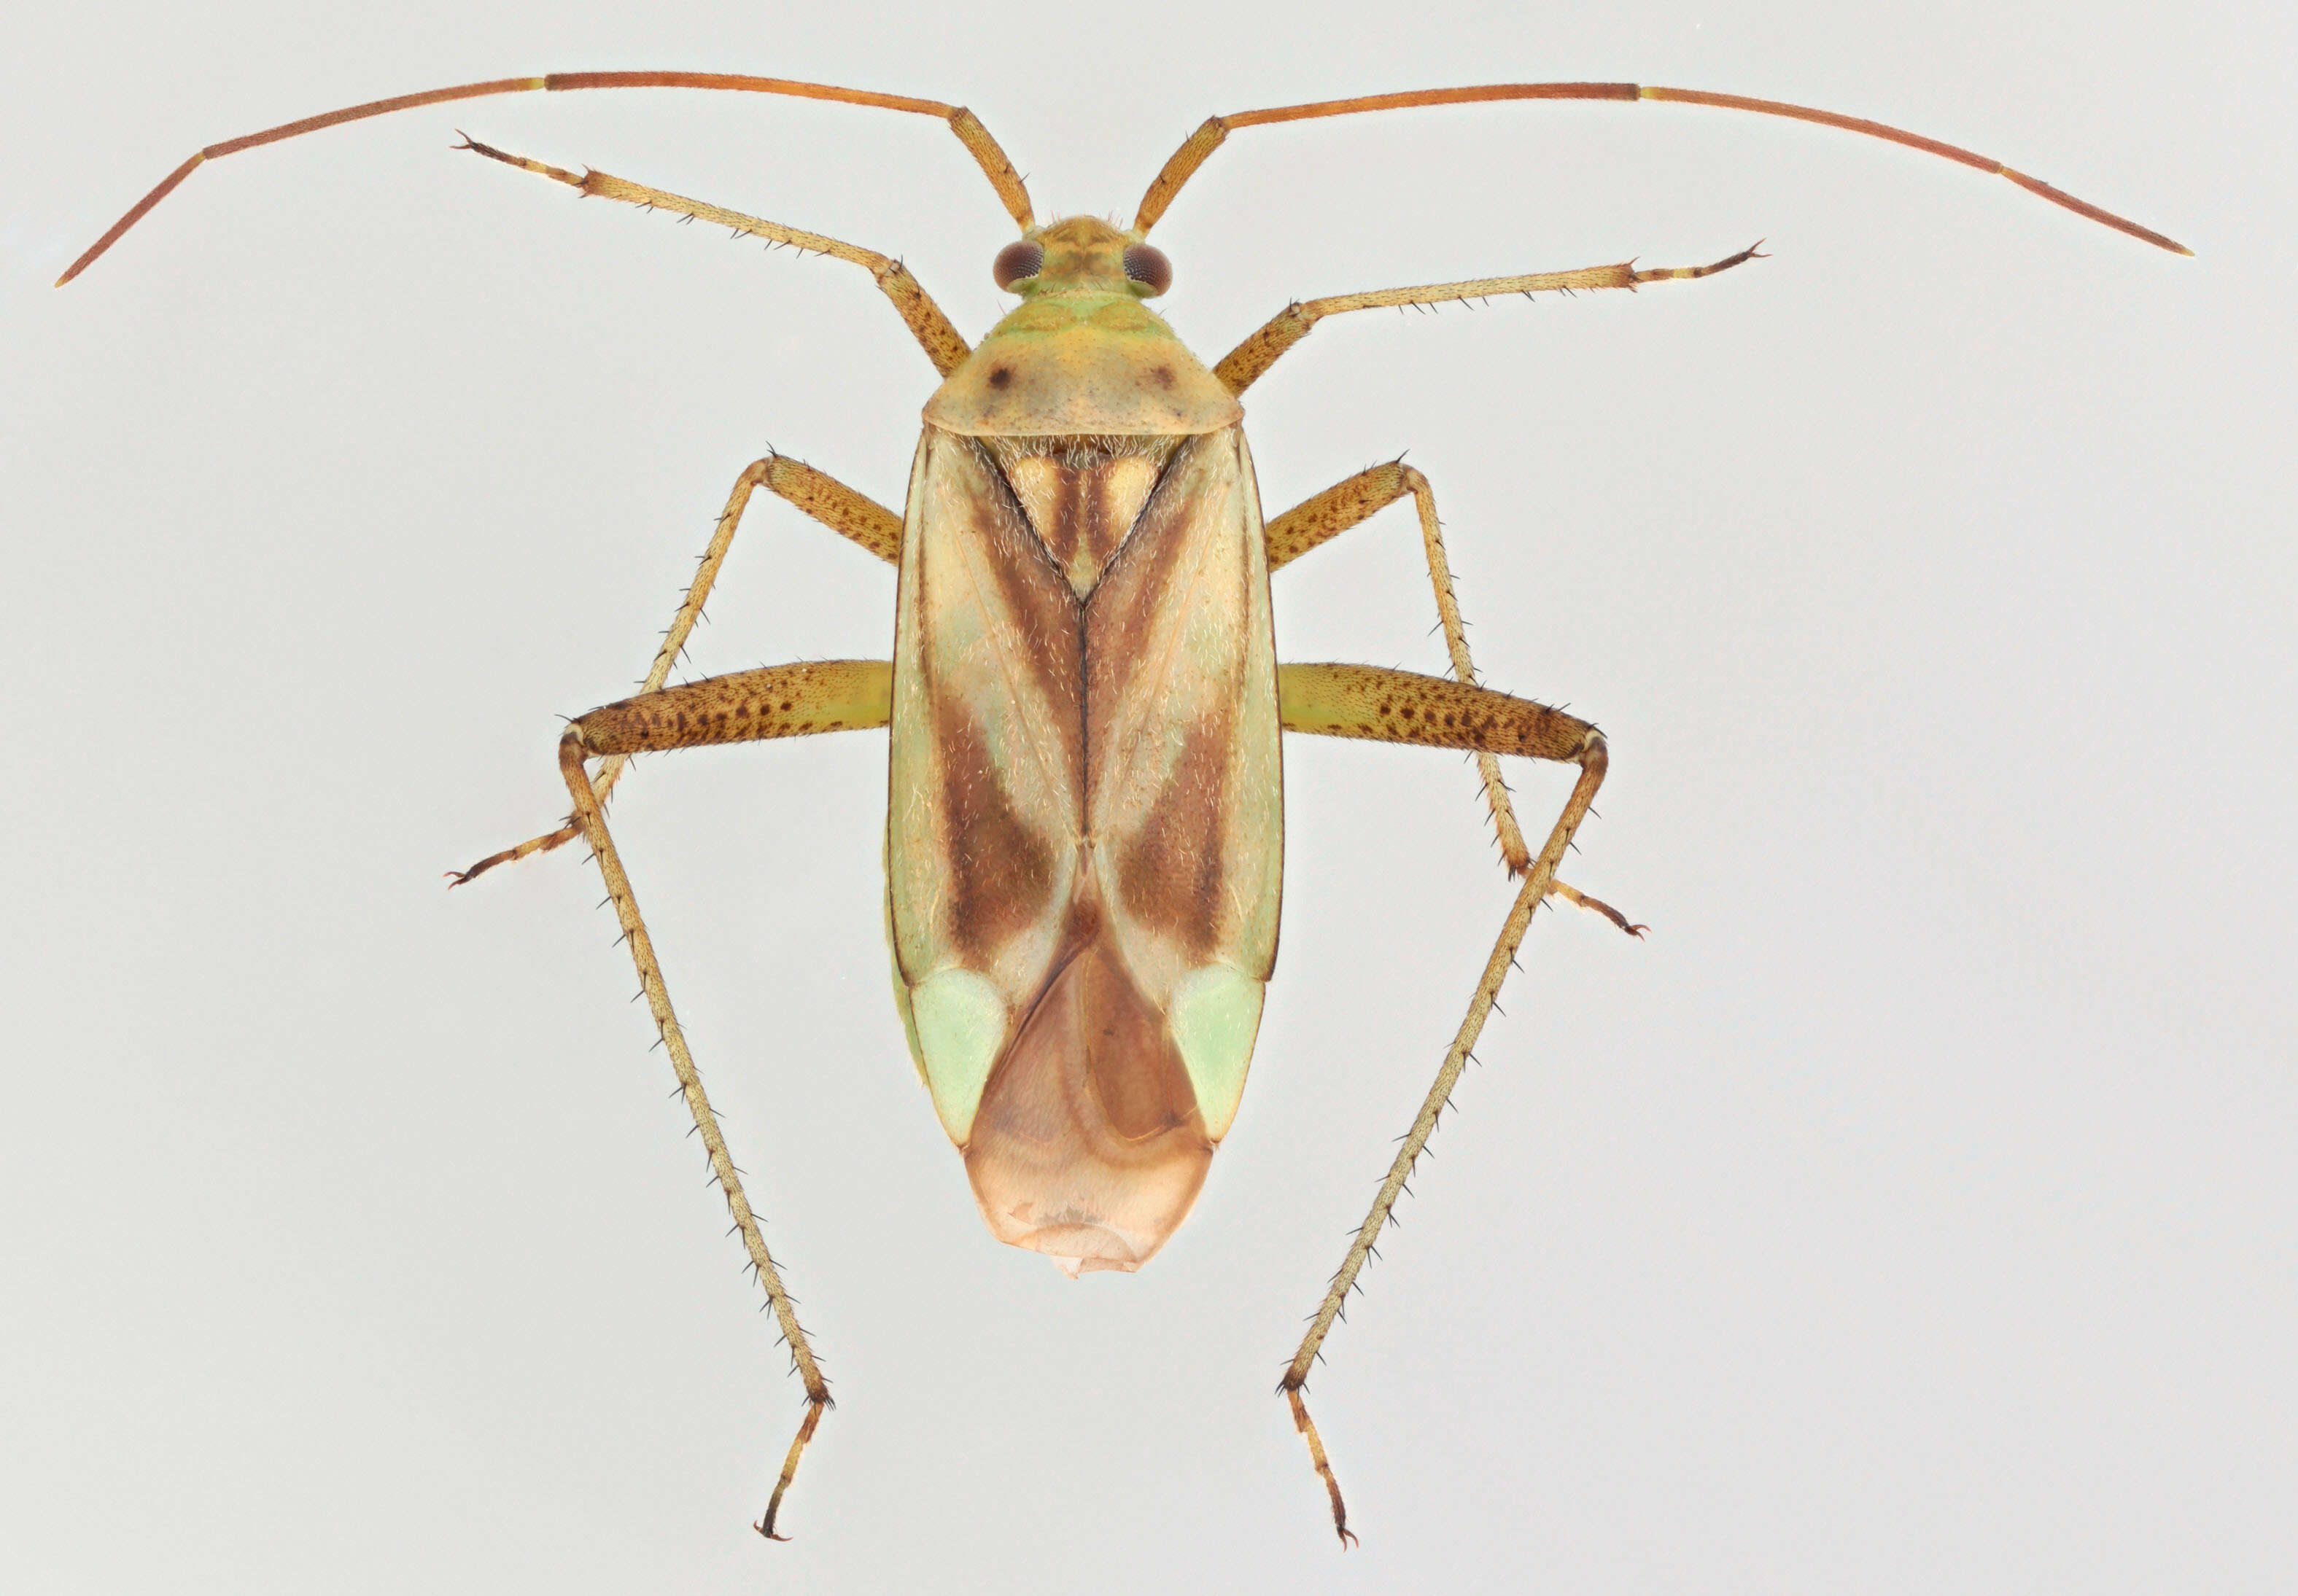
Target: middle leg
x=1317 y=520
x=851 y=515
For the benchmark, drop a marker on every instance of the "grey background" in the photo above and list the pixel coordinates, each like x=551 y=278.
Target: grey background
x=1911 y=1212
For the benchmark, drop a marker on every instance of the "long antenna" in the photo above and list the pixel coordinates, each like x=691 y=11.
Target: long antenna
x=1201 y=144
x=962 y=122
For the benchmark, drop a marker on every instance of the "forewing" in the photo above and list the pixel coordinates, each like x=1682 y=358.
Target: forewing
x=1184 y=790
x=986 y=779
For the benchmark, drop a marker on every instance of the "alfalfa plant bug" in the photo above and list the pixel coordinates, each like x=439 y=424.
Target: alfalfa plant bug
x=1084 y=832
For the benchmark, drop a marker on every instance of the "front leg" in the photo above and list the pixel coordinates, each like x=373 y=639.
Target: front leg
x=943 y=343
x=1242 y=366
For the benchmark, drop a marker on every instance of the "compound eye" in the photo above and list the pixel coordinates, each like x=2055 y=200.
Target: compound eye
x=1146 y=265
x=1016 y=261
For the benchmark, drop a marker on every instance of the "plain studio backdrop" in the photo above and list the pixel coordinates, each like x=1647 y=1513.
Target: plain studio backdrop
x=1912 y=1211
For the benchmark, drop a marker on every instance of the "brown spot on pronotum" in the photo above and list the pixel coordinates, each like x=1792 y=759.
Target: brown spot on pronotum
x=1000 y=375
x=1165 y=375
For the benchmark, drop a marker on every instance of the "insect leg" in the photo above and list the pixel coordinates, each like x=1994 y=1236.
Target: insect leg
x=1317 y=520
x=1243 y=365
x=944 y=345
x=780 y=701
x=1398 y=706
x=825 y=499
x=799 y=699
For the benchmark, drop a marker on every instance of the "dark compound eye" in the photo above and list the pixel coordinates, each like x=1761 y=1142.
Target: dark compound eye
x=1146 y=265
x=1016 y=261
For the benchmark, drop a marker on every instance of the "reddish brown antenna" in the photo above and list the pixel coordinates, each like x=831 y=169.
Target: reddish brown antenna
x=1206 y=139
x=962 y=122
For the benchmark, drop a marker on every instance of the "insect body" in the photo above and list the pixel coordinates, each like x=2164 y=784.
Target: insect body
x=1085 y=825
